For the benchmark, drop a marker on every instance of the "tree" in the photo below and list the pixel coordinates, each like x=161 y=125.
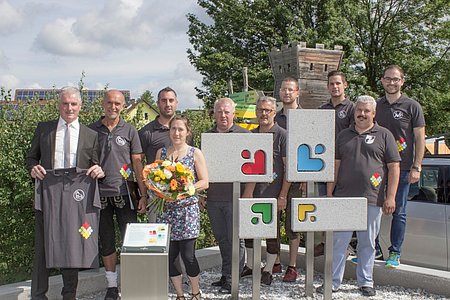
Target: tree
x=373 y=33
x=244 y=31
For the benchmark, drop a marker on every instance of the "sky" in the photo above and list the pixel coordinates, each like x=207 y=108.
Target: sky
x=135 y=45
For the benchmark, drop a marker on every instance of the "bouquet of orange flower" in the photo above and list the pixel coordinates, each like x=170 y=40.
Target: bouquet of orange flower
x=168 y=181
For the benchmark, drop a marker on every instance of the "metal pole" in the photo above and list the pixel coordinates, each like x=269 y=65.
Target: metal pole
x=245 y=75
x=256 y=278
x=309 y=286
x=235 y=243
x=328 y=265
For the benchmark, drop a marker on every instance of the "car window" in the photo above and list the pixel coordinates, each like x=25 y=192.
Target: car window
x=428 y=187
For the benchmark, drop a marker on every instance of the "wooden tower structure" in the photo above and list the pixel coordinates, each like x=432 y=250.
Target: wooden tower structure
x=309 y=66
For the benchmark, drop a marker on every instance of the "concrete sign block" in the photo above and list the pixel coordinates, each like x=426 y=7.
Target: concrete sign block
x=238 y=157
x=310 y=152
x=329 y=214
x=257 y=218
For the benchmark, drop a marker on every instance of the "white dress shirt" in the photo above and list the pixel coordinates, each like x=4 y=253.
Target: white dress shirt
x=74 y=129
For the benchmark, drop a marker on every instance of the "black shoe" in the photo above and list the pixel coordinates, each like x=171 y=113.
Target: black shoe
x=226 y=288
x=219 y=282
x=321 y=288
x=112 y=293
x=266 y=278
x=246 y=271
x=367 y=291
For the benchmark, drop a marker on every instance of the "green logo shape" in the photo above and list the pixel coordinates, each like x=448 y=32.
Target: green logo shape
x=265 y=209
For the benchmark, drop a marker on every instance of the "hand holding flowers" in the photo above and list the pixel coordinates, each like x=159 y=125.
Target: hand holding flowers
x=168 y=181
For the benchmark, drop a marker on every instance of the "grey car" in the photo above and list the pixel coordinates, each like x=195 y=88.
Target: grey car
x=427 y=238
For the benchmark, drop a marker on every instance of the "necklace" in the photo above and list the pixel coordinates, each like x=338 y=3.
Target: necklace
x=179 y=154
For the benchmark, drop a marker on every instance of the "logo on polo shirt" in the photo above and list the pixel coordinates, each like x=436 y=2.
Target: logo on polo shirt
x=342 y=114
x=397 y=114
x=120 y=141
x=375 y=179
x=78 y=195
x=86 y=230
x=369 y=139
x=401 y=144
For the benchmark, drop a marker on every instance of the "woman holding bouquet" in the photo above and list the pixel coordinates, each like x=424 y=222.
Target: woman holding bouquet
x=183 y=215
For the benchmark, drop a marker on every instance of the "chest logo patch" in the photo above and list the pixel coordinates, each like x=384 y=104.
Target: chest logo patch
x=397 y=114
x=120 y=141
x=375 y=179
x=369 y=139
x=85 y=230
x=401 y=144
x=78 y=195
x=342 y=114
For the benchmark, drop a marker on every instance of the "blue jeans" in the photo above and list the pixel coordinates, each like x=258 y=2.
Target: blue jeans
x=398 y=224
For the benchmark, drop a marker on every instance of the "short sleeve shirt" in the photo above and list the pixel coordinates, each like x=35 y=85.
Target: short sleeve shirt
x=70 y=205
x=224 y=191
x=344 y=114
x=154 y=136
x=115 y=155
x=281 y=118
x=272 y=189
x=401 y=117
x=363 y=163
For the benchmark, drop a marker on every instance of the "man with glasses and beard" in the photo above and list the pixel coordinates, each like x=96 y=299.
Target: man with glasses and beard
x=403 y=116
x=120 y=155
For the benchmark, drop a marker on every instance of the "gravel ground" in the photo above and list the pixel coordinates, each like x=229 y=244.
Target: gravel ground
x=283 y=291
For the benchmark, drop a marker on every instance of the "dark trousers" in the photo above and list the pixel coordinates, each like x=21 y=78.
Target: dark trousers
x=220 y=215
x=40 y=273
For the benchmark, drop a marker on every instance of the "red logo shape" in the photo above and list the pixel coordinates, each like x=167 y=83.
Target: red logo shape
x=258 y=167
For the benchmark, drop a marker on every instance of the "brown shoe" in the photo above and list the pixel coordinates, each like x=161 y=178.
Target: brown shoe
x=277 y=268
x=319 y=249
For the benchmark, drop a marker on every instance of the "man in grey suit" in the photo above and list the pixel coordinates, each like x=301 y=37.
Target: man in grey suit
x=49 y=150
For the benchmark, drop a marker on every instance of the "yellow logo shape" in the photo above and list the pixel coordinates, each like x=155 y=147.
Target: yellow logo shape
x=304 y=210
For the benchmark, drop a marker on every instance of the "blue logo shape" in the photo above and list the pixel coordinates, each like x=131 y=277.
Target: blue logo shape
x=305 y=163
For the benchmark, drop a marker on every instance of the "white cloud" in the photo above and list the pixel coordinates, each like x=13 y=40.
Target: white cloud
x=10 y=18
x=9 y=81
x=58 y=38
x=120 y=24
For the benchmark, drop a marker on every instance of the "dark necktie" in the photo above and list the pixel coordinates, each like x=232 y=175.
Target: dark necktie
x=67 y=147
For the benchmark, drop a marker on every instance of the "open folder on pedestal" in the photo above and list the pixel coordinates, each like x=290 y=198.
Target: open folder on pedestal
x=146 y=237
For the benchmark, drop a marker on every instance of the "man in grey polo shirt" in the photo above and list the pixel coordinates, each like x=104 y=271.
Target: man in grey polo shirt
x=155 y=135
x=367 y=165
x=403 y=116
x=278 y=188
x=120 y=155
x=344 y=111
x=220 y=199
x=289 y=95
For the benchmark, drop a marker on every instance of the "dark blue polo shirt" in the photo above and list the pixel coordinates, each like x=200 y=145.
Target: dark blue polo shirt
x=401 y=117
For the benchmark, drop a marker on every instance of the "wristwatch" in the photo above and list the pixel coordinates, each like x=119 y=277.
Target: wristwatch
x=417 y=168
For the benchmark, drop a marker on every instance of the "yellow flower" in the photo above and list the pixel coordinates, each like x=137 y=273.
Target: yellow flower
x=180 y=168
x=156 y=178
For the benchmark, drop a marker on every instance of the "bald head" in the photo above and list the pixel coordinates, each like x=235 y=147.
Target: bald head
x=113 y=104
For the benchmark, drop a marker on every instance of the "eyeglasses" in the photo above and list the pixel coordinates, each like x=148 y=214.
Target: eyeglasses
x=264 y=111
x=394 y=80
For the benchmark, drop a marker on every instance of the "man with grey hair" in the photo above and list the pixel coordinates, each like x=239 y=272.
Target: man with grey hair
x=278 y=188
x=56 y=149
x=220 y=199
x=367 y=165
